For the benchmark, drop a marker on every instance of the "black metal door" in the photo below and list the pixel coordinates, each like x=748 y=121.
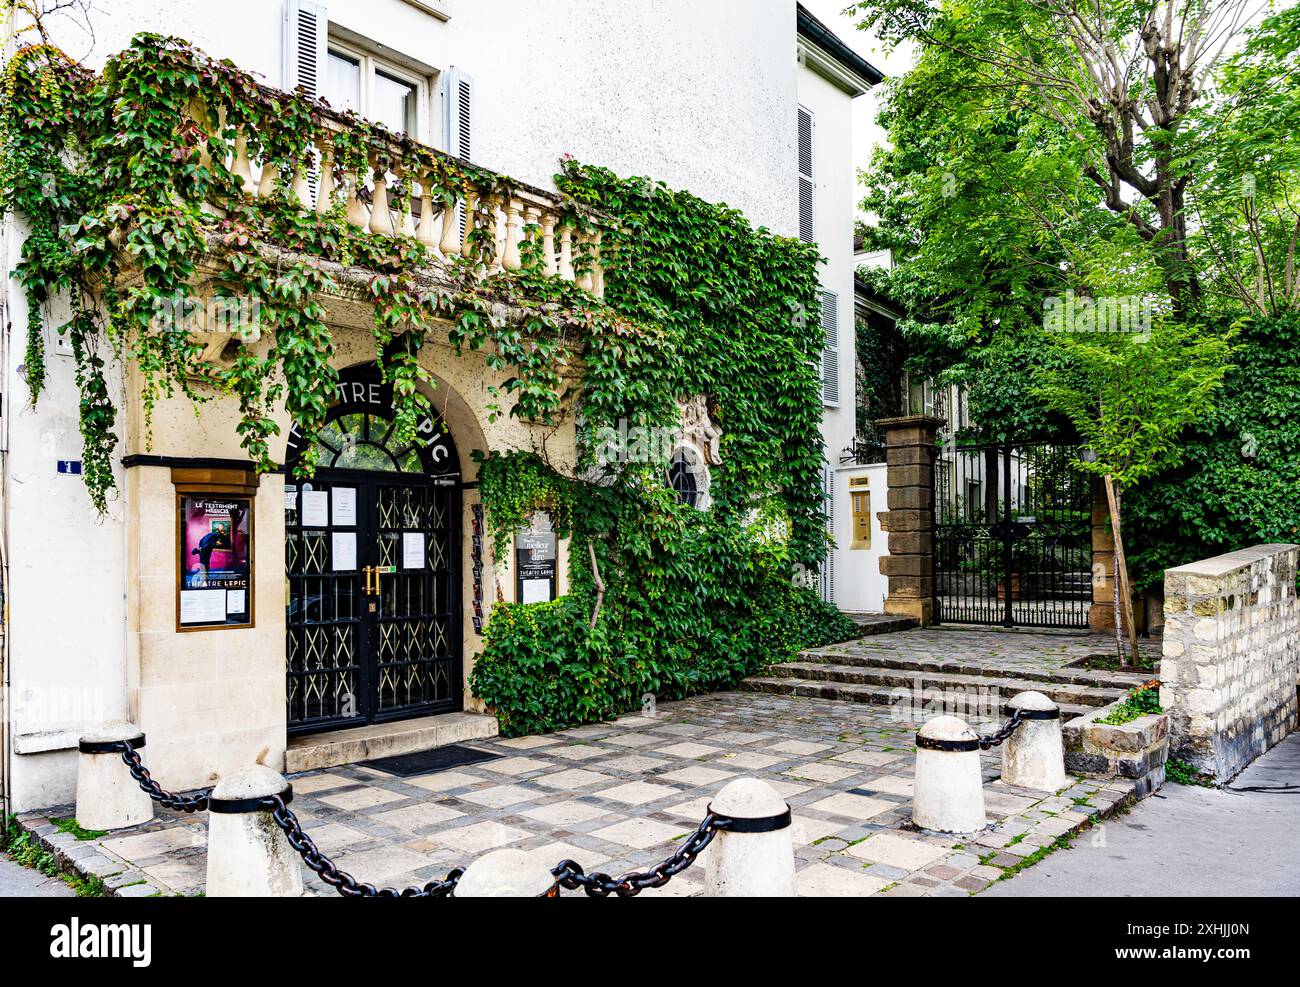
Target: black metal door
x=1013 y=538
x=373 y=615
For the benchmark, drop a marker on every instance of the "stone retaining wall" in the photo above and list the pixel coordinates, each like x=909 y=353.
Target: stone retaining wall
x=1231 y=657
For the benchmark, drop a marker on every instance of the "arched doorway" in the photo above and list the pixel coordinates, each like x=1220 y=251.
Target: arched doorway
x=372 y=545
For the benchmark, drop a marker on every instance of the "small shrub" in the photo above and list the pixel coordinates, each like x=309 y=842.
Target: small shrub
x=1142 y=701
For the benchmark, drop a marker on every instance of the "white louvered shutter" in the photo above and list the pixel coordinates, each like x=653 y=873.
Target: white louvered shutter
x=458 y=124
x=306 y=35
x=306 y=57
x=459 y=117
x=831 y=348
x=807 y=184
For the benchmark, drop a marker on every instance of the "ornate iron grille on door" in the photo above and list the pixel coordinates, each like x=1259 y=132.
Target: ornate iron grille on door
x=372 y=548
x=1013 y=539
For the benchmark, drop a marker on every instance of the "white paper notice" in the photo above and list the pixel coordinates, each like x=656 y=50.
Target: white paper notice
x=344 y=551
x=290 y=496
x=345 y=508
x=412 y=550
x=315 y=509
x=235 y=601
x=536 y=591
x=203 y=606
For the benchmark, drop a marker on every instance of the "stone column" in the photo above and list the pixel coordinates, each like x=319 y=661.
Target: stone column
x=1101 y=615
x=909 y=567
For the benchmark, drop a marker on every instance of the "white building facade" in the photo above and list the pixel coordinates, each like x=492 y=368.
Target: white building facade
x=708 y=97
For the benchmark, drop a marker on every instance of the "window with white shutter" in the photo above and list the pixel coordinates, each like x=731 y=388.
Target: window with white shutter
x=831 y=348
x=807 y=184
x=458 y=99
x=305 y=45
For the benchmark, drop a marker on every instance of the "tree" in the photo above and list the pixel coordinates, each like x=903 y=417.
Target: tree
x=1118 y=78
x=1130 y=397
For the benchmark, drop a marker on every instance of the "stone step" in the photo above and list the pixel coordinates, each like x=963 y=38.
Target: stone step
x=1006 y=685
x=933 y=665
x=870 y=624
x=326 y=750
x=849 y=692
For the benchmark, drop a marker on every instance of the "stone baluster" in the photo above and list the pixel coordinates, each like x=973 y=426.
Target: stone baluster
x=425 y=231
x=325 y=183
x=270 y=179
x=242 y=167
x=548 y=245
x=597 y=267
x=511 y=259
x=466 y=244
x=381 y=218
x=566 y=252
x=584 y=279
x=498 y=236
x=356 y=213
x=450 y=242
x=405 y=222
x=301 y=186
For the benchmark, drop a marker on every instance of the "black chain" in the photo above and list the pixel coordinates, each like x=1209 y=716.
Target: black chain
x=570 y=875
x=181 y=803
x=340 y=880
x=1000 y=735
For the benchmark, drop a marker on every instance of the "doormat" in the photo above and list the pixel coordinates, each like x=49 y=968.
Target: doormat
x=427 y=762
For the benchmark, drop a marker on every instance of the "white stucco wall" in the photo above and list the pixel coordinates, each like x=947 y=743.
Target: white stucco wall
x=67 y=570
x=699 y=95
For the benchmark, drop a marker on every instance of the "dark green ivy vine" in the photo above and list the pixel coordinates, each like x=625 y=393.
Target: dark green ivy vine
x=694 y=599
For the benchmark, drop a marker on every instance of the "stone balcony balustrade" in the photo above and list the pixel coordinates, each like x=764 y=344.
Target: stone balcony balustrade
x=522 y=214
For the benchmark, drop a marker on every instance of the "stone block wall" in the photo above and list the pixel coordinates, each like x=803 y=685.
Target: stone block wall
x=1231 y=657
x=1135 y=750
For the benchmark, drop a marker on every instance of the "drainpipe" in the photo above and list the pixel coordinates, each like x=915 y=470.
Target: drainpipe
x=6 y=685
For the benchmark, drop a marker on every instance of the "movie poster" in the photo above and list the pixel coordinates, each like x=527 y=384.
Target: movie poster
x=215 y=546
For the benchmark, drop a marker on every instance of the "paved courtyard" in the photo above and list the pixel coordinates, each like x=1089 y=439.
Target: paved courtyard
x=618 y=796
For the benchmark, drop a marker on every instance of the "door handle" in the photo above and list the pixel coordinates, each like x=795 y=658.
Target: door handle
x=367 y=571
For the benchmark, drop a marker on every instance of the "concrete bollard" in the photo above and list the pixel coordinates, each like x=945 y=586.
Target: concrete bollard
x=1033 y=756
x=107 y=796
x=507 y=873
x=755 y=857
x=248 y=854
x=948 y=794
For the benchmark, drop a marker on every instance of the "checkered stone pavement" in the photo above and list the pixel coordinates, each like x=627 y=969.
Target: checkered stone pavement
x=619 y=796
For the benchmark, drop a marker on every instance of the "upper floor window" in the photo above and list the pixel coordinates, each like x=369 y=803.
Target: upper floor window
x=378 y=90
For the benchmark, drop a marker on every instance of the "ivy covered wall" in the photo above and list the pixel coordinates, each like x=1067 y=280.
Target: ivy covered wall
x=117 y=175
x=694 y=599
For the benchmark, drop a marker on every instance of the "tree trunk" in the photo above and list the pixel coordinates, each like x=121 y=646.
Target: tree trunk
x=1126 y=595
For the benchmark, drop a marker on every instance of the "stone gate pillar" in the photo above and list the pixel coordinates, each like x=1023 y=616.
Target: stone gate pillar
x=1101 y=615
x=909 y=567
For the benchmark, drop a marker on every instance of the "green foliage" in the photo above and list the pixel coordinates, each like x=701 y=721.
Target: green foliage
x=114 y=174
x=1182 y=773
x=1130 y=396
x=1239 y=482
x=544 y=668
x=694 y=599
x=1142 y=701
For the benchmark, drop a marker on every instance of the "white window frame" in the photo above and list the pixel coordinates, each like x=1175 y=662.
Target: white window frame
x=371 y=63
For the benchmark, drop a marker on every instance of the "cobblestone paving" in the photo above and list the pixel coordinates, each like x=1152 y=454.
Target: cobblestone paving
x=618 y=796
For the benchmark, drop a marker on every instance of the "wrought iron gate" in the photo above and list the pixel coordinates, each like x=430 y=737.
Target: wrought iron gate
x=1013 y=539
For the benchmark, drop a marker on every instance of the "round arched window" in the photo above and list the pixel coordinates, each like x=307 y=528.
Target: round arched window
x=688 y=476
